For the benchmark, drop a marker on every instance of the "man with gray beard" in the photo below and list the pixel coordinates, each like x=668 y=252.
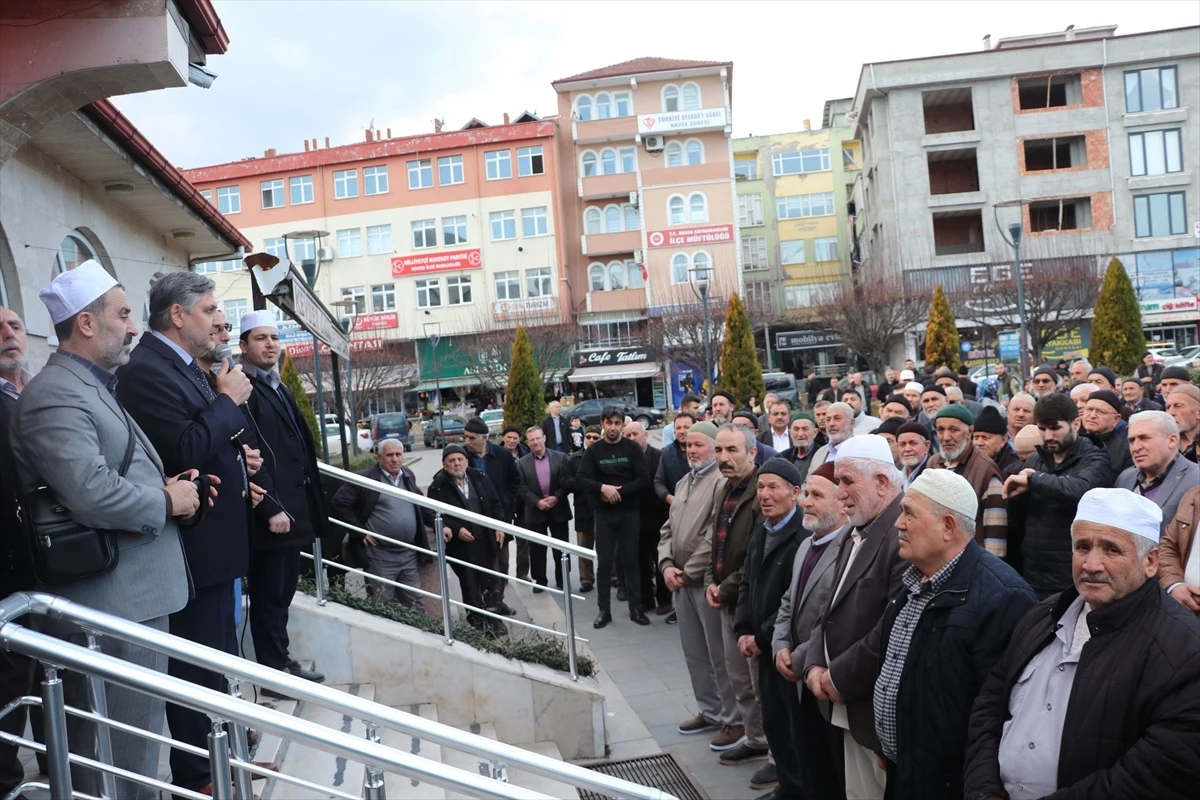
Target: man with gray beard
x=839 y=426
x=955 y=426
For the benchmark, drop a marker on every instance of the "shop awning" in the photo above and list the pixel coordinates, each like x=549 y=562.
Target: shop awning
x=614 y=372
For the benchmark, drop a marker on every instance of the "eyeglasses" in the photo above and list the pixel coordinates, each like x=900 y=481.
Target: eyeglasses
x=591 y=437
x=1043 y=379
x=228 y=326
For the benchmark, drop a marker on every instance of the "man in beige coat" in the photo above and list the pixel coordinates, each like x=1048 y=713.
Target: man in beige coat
x=684 y=553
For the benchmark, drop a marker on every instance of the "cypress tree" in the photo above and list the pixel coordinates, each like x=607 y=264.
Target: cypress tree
x=291 y=379
x=941 y=334
x=741 y=374
x=524 y=400
x=1117 y=338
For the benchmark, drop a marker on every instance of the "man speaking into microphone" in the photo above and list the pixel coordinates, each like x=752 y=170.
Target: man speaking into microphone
x=194 y=423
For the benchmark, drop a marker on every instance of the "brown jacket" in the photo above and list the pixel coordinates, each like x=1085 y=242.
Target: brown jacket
x=746 y=517
x=1178 y=539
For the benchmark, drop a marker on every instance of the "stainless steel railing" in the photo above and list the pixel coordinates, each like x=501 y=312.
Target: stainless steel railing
x=228 y=756
x=567 y=549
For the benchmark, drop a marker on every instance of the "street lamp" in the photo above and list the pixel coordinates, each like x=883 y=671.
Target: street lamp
x=699 y=284
x=351 y=319
x=1013 y=240
x=311 y=269
x=433 y=332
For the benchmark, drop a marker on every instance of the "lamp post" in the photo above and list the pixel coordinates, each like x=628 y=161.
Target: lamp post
x=1013 y=240
x=433 y=332
x=699 y=283
x=351 y=319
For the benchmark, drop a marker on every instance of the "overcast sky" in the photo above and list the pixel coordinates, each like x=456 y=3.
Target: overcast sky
x=300 y=69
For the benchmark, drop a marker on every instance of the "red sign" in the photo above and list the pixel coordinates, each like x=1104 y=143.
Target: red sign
x=356 y=346
x=684 y=237
x=376 y=322
x=436 y=262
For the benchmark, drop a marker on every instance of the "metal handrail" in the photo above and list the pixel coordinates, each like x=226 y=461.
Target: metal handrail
x=234 y=667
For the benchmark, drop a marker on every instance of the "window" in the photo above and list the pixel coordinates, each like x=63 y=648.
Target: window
x=608 y=161
x=674 y=154
x=593 y=221
x=596 y=278
x=229 y=199
x=508 y=285
x=791 y=252
x=1056 y=152
x=1155 y=152
x=612 y=334
x=345 y=184
x=603 y=105
x=276 y=247
x=534 y=222
x=356 y=295
x=958 y=232
x=499 y=164
x=420 y=174
x=758 y=295
x=691 y=97
x=234 y=311
x=694 y=151
x=746 y=169
x=424 y=233
x=530 y=162
x=614 y=222
x=1065 y=214
x=617 y=276
x=808 y=295
x=697 y=207
x=825 y=249
x=622 y=104
x=302 y=189
x=633 y=271
x=675 y=207
x=272 y=193
x=633 y=219
x=946 y=111
x=204 y=267
x=450 y=170
x=454 y=230
x=628 y=159
x=379 y=239
x=429 y=293
x=670 y=95
x=1161 y=214
x=207 y=195
x=587 y=163
x=754 y=252
x=349 y=242
x=1049 y=91
x=1151 y=90
x=679 y=268
x=583 y=107
x=701 y=263
x=750 y=210
x=304 y=249
x=849 y=158
x=375 y=180
x=231 y=265
x=383 y=297
x=800 y=162
x=805 y=205
x=538 y=282
x=458 y=290
x=504 y=225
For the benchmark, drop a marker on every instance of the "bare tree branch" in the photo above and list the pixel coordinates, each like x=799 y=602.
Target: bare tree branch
x=373 y=372
x=871 y=319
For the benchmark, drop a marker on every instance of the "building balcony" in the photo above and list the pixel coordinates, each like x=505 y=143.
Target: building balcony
x=667 y=176
x=956 y=200
x=614 y=129
x=603 y=187
x=607 y=244
x=617 y=300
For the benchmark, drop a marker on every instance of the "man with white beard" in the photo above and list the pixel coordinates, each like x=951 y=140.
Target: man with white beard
x=839 y=426
x=913 y=440
x=955 y=428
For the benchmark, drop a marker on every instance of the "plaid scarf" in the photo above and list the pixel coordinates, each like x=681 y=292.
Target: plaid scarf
x=723 y=522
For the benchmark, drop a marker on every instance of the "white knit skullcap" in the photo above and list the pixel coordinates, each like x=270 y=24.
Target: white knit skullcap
x=947 y=488
x=1120 y=509
x=75 y=289
x=870 y=447
x=258 y=319
x=913 y=386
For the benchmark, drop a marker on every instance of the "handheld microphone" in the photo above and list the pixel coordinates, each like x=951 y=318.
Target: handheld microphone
x=223 y=353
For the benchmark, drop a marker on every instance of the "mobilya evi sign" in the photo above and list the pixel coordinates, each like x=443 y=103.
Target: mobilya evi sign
x=624 y=355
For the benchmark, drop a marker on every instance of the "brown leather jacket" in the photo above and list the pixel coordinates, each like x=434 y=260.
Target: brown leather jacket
x=1178 y=539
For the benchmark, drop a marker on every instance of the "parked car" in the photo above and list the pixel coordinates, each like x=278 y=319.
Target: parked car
x=783 y=384
x=589 y=412
x=494 y=417
x=1188 y=357
x=391 y=425
x=334 y=440
x=443 y=429
x=1163 y=352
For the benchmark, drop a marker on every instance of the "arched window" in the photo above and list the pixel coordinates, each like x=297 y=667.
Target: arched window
x=616 y=275
x=603 y=105
x=675 y=207
x=670 y=97
x=593 y=221
x=633 y=220
x=612 y=219
x=679 y=268
x=588 y=162
x=608 y=161
x=73 y=251
x=674 y=154
x=635 y=275
x=701 y=263
x=691 y=97
x=583 y=107
x=695 y=152
x=596 y=277
x=698 y=207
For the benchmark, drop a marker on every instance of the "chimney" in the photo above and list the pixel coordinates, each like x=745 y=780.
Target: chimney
x=306 y=147
x=370 y=135
x=269 y=153
x=327 y=141
x=505 y=117
x=1070 y=33
x=437 y=126
x=808 y=124
x=987 y=42
x=389 y=133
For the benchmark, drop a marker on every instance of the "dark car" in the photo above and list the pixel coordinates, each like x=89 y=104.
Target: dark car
x=391 y=425
x=589 y=411
x=442 y=430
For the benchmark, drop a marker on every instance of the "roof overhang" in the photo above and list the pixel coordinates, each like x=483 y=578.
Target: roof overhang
x=658 y=75
x=615 y=372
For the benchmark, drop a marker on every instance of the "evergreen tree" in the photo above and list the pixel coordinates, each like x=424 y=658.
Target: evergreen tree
x=941 y=334
x=1117 y=338
x=291 y=379
x=741 y=374
x=524 y=401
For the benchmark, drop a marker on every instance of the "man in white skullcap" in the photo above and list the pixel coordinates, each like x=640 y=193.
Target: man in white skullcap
x=940 y=636
x=77 y=439
x=1098 y=692
x=843 y=656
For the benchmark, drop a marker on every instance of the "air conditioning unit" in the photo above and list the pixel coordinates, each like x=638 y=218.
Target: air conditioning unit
x=325 y=254
x=654 y=144
x=633 y=198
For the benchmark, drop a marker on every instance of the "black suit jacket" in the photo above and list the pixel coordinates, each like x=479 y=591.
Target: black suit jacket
x=501 y=469
x=166 y=399
x=548 y=429
x=16 y=571
x=766 y=576
x=531 y=489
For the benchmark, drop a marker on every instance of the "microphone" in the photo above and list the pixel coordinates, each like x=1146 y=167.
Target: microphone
x=223 y=353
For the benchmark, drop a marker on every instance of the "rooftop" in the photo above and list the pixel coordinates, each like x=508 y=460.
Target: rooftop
x=639 y=66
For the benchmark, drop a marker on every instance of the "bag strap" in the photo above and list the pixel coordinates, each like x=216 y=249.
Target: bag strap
x=128 y=459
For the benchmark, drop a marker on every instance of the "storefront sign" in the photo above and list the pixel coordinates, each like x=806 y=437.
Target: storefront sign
x=682 y=237
x=1172 y=306
x=1072 y=344
x=425 y=263
x=376 y=322
x=356 y=346
x=806 y=340
x=597 y=358
x=682 y=120
x=528 y=306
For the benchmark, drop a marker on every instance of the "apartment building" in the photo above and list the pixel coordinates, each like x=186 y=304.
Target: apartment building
x=648 y=207
x=1092 y=136
x=439 y=236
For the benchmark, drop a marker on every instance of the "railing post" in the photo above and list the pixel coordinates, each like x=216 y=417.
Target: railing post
x=443 y=579
x=218 y=761
x=54 y=714
x=239 y=744
x=98 y=703
x=373 y=786
x=319 y=571
x=569 y=612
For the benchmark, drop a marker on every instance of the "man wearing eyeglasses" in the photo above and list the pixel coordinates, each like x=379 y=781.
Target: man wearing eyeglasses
x=1104 y=425
x=1044 y=382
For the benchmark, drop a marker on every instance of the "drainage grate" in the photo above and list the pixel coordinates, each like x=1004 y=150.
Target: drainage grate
x=659 y=772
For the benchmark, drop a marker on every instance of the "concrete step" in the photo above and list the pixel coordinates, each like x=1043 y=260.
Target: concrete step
x=400 y=787
x=473 y=763
x=317 y=766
